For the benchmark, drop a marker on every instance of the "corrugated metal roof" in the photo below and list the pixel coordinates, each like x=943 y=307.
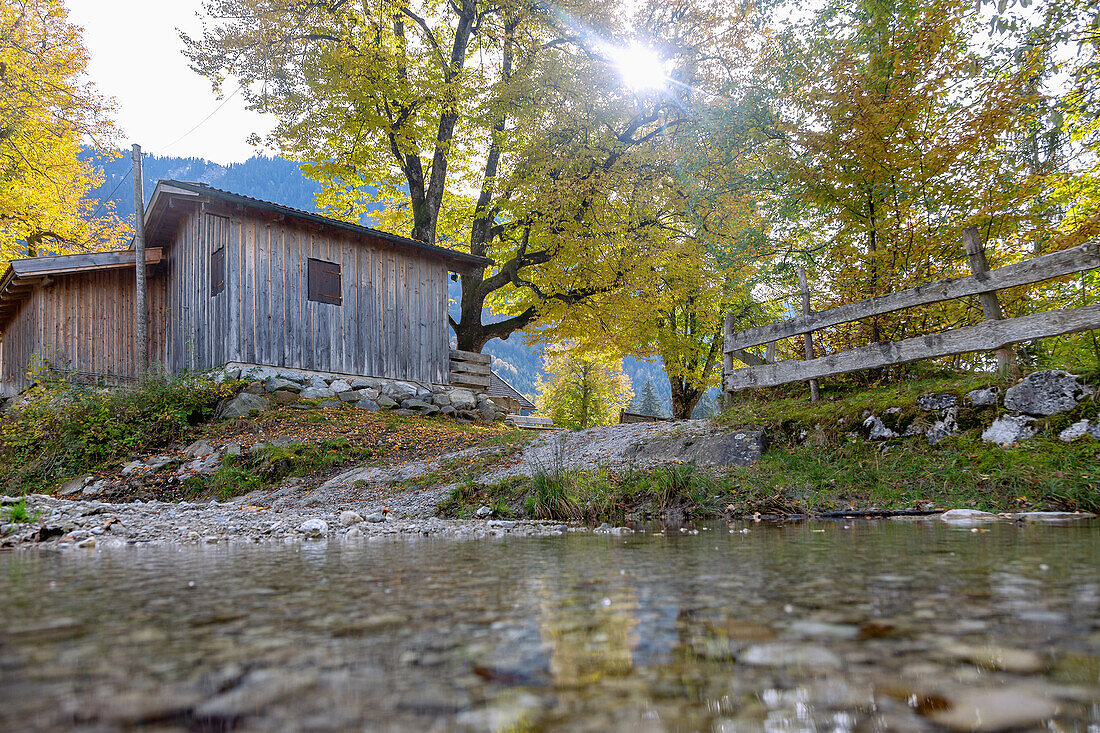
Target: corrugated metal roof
x=499 y=388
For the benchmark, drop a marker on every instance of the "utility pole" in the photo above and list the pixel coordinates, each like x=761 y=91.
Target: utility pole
x=141 y=310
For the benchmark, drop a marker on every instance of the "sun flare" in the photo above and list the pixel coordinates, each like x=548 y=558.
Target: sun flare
x=641 y=68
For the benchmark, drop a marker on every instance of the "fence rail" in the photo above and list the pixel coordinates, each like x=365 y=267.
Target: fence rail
x=990 y=335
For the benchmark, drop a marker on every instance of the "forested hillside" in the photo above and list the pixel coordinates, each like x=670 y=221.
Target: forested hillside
x=271 y=179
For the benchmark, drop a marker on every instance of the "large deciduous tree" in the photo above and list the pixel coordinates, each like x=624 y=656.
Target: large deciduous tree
x=500 y=128
x=47 y=112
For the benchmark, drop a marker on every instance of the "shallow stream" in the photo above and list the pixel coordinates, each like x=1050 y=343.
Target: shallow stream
x=887 y=625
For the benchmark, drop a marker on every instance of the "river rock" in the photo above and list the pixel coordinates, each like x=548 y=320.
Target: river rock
x=992 y=709
x=1054 y=517
x=1004 y=659
x=969 y=516
x=71 y=487
x=1045 y=393
x=375 y=517
x=933 y=402
x=348 y=518
x=484 y=511
x=736 y=448
x=313 y=527
x=983 y=397
x=243 y=404
x=783 y=654
x=1009 y=429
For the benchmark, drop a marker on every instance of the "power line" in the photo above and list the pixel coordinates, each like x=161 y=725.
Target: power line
x=203 y=121
x=103 y=201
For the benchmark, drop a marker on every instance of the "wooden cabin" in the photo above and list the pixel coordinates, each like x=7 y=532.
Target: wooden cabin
x=507 y=396
x=233 y=279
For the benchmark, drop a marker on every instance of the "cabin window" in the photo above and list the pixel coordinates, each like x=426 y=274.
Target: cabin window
x=324 y=282
x=217 y=271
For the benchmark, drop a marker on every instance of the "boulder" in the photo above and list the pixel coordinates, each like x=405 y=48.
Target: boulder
x=442 y=399
x=367 y=405
x=1080 y=429
x=386 y=403
x=415 y=404
x=1009 y=429
x=368 y=393
x=484 y=511
x=339 y=385
x=313 y=527
x=737 y=448
x=364 y=383
x=243 y=404
x=463 y=399
x=946 y=426
x=933 y=402
x=1045 y=393
x=876 y=430
x=969 y=516
x=983 y=397
x=348 y=518
x=276 y=384
x=352 y=395
x=317 y=393
x=284 y=397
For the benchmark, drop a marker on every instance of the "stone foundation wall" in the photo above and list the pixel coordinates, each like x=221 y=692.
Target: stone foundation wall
x=270 y=386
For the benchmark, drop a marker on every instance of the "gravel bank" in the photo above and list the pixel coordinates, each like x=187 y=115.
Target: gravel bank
x=69 y=525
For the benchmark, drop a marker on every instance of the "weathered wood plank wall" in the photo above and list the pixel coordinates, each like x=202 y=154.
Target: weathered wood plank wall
x=83 y=323
x=392 y=321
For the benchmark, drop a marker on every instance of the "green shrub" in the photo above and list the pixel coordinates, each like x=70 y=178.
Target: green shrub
x=60 y=429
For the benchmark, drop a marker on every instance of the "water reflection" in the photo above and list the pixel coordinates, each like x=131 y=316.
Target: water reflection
x=886 y=625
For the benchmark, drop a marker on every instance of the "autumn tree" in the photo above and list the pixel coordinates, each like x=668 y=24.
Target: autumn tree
x=892 y=128
x=503 y=129
x=582 y=390
x=47 y=112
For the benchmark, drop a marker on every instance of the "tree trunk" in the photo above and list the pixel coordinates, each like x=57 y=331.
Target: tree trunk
x=684 y=398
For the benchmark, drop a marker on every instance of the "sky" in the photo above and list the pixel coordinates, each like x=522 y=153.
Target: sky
x=136 y=58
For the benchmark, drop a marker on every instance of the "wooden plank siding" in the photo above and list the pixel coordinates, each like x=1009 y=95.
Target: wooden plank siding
x=83 y=323
x=385 y=327
x=392 y=322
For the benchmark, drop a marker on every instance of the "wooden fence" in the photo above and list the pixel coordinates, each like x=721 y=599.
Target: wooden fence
x=994 y=334
x=470 y=369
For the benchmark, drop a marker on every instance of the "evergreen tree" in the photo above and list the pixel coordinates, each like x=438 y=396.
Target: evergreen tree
x=647 y=402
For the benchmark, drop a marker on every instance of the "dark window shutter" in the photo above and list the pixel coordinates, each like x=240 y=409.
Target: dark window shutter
x=217 y=271
x=324 y=282
x=216 y=236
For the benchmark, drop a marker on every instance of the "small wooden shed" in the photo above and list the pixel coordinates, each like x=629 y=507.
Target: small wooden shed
x=236 y=279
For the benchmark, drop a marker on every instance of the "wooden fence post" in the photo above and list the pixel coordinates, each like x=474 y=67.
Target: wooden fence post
x=991 y=305
x=815 y=395
x=769 y=353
